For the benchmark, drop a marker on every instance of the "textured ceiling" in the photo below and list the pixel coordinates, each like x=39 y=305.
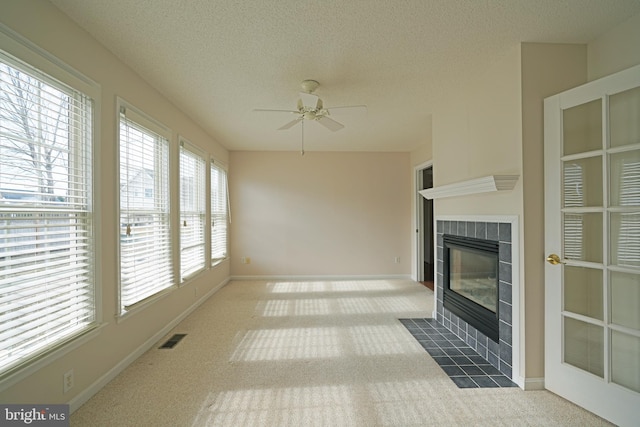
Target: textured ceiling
x=217 y=60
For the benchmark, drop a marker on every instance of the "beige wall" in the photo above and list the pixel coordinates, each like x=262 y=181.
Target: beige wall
x=342 y=214
x=45 y=26
x=424 y=151
x=476 y=132
x=615 y=50
x=546 y=70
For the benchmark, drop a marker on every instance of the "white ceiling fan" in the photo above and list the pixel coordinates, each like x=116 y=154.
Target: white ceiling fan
x=311 y=107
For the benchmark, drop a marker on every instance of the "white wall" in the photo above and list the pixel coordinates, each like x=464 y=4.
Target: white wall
x=97 y=359
x=321 y=214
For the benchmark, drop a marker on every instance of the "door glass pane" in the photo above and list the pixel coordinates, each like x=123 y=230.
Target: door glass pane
x=582 y=128
x=624 y=117
x=583 y=346
x=582 y=182
x=583 y=291
x=625 y=178
x=625 y=363
x=583 y=236
x=625 y=238
x=625 y=299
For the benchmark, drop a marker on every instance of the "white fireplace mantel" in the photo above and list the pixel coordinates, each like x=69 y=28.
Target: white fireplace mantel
x=473 y=186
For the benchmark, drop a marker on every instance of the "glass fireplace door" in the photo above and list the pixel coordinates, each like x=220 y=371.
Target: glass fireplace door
x=474 y=276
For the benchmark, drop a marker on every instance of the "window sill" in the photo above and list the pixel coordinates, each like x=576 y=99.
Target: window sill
x=20 y=372
x=143 y=304
x=218 y=262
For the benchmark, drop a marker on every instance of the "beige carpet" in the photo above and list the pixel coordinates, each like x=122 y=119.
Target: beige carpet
x=309 y=354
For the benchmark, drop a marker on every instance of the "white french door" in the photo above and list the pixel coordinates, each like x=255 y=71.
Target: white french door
x=592 y=242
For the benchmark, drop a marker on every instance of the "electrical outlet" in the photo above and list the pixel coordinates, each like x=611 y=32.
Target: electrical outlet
x=195 y=291
x=397 y=260
x=67 y=381
x=246 y=260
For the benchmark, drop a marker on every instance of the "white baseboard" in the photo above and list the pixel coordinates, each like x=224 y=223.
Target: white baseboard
x=320 y=278
x=87 y=393
x=529 y=384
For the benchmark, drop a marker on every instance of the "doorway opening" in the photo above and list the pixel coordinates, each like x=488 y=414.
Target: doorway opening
x=424 y=229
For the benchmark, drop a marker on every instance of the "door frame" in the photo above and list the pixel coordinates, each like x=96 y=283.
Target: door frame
x=418 y=222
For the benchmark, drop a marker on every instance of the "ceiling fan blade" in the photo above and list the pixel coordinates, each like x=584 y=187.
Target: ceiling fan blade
x=290 y=124
x=275 y=111
x=354 y=108
x=330 y=123
x=308 y=99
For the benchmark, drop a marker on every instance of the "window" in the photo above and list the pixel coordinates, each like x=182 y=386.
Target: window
x=219 y=212
x=192 y=210
x=146 y=266
x=47 y=283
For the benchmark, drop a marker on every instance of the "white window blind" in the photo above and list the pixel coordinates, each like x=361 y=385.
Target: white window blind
x=145 y=240
x=573 y=198
x=46 y=221
x=627 y=250
x=192 y=210
x=219 y=212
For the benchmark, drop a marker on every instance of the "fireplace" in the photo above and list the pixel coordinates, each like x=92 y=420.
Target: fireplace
x=470 y=285
x=503 y=231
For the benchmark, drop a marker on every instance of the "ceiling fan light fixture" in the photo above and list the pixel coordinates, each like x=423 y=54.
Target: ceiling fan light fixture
x=309 y=85
x=310 y=107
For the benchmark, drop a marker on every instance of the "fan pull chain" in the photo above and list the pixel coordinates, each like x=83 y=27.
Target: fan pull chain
x=302 y=147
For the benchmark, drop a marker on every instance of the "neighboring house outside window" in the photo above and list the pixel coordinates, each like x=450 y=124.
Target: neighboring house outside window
x=146 y=266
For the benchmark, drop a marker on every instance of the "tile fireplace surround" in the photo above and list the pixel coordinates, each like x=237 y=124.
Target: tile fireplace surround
x=501 y=355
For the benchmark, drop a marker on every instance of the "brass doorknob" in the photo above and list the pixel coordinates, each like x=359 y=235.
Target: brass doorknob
x=554 y=259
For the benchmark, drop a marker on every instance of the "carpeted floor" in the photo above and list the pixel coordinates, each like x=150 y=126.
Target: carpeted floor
x=262 y=353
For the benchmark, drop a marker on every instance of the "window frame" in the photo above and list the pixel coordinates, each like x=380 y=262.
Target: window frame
x=20 y=53
x=144 y=121
x=214 y=163
x=199 y=155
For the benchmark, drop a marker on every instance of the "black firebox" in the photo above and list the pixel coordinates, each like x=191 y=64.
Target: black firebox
x=470 y=273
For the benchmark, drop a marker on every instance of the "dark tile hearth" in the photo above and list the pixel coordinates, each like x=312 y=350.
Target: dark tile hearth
x=465 y=367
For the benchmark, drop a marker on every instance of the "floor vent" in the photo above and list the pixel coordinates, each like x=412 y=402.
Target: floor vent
x=171 y=342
